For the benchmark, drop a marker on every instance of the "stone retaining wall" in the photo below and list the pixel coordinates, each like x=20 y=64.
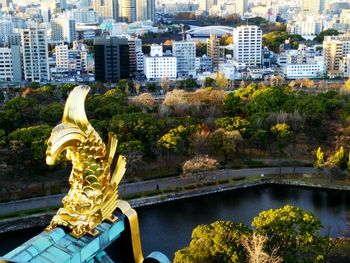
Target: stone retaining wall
x=42 y=220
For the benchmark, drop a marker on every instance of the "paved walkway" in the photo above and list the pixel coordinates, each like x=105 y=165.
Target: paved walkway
x=145 y=186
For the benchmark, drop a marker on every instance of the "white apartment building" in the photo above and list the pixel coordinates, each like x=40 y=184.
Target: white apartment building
x=157 y=66
x=247 y=45
x=85 y=16
x=311 y=68
x=185 y=52
x=335 y=48
x=35 y=54
x=6 y=71
x=62 y=29
x=62 y=64
x=10 y=64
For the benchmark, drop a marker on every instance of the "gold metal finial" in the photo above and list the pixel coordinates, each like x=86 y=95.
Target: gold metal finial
x=93 y=196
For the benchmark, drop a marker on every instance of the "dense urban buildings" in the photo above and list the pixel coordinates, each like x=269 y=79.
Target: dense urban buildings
x=204 y=51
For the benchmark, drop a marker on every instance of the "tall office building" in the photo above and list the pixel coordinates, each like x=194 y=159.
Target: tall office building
x=107 y=9
x=63 y=29
x=185 y=52
x=111 y=58
x=127 y=11
x=315 y=6
x=35 y=54
x=145 y=10
x=247 y=45
x=213 y=44
x=241 y=7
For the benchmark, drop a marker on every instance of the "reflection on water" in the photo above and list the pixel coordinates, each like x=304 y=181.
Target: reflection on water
x=167 y=227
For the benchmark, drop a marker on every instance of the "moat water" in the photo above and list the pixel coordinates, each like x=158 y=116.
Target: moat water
x=167 y=227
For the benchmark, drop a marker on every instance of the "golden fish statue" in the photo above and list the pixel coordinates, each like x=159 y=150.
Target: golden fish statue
x=93 y=196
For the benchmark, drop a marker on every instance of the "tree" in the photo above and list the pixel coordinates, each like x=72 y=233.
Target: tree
x=319 y=162
x=337 y=162
x=51 y=114
x=145 y=100
x=283 y=135
x=232 y=104
x=255 y=248
x=230 y=142
x=221 y=82
x=274 y=39
x=198 y=165
x=218 y=242
x=177 y=139
x=208 y=82
x=327 y=32
x=294 y=231
x=226 y=39
x=2 y=137
x=347 y=85
x=164 y=84
x=29 y=146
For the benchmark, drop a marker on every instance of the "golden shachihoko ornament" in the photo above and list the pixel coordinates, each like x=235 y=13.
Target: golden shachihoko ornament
x=93 y=194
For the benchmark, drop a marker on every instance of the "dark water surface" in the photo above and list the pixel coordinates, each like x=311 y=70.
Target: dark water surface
x=167 y=227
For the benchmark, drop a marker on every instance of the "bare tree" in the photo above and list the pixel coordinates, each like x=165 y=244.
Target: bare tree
x=255 y=250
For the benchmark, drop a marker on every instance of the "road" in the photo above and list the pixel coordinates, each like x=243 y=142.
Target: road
x=145 y=186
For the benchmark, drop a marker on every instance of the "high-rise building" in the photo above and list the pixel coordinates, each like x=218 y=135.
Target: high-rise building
x=247 y=45
x=185 y=52
x=213 y=44
x=335 y=48
x=63 y=29
x=158 y=66
x=132 y=55
x=107 y=9
x=127 y=11
x=10 y=64
x=241 y=7
x=6 y=28
x=315 y=6
x=145 y=10
x=205 y=6
x=5 y=5
x=62 y=58
x=35 y=54
x=82 y=16
x=111 y=58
